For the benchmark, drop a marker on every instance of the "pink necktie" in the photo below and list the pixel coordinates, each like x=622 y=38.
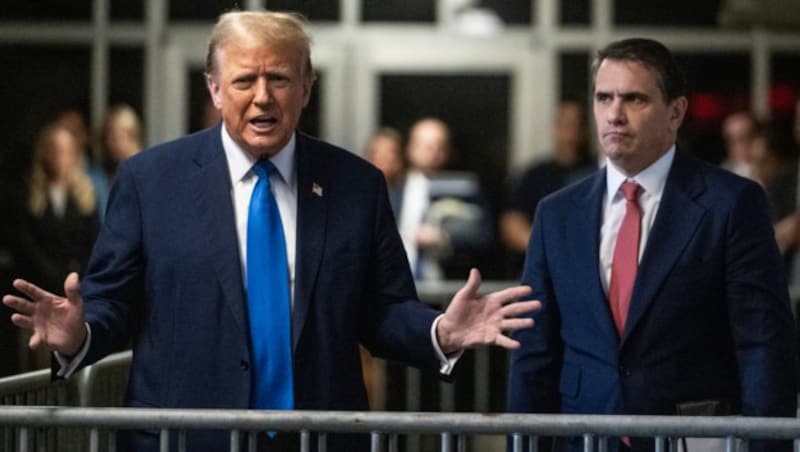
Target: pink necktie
x=626 y=257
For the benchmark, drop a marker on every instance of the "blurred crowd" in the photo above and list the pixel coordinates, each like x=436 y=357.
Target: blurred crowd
x=57 y=214
x=446 y=221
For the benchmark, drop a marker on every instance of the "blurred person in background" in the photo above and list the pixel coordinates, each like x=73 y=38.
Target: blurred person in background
x=120 y=138
x=571 y=160
x=738 y=132
x=444 y=222
x=60 y=222
x=385 y=150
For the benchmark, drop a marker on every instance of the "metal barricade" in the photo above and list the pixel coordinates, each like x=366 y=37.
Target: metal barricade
x=452 y=429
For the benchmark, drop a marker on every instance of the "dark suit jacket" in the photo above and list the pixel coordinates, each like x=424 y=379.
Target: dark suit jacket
x=709 y=318
x=166 y=274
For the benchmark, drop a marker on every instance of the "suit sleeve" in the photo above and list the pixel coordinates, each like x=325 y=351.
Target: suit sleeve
x=112 y=287
x=758 y=305
x=396 y=325
x=535 y=366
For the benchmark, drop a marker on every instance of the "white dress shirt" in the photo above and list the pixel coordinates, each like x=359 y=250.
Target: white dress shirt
x=652 y=180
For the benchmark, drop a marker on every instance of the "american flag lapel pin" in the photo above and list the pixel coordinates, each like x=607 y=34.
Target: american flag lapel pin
x=316 y=189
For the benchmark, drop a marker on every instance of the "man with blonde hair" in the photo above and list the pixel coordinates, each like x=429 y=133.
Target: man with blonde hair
x=248 y=261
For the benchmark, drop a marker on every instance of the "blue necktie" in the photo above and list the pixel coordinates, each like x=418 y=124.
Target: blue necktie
x=268 y=298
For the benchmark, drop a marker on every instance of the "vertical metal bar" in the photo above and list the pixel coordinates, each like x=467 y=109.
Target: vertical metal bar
x=94 y=440
x=745 y=445
x=112 y=441
x=659 y=443
x=164 y=440
x=234 y=440
x=181 y=440
x=481 y=376
x=447 y=442
x=797 y=445
x=602 y=444
x=393 y=443
x=516 y=442
x=588 y=443
x=322 y=442
x=252 y=439
x=461 y=443
x=533 y=443
x=22 y=444
x=375 y=442
x=730 y=444
x=305 y=441
x=673 y=444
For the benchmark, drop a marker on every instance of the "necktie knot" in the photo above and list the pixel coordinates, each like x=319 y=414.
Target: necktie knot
x=631 y=190
x=263 y=168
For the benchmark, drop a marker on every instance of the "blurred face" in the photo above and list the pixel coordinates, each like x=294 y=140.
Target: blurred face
x=260 y=91
x=738 y=133
x=569 y=131
x=386 y=154
x=428 y=146
x=635 y=124
x=62 y=155
x=120 y=141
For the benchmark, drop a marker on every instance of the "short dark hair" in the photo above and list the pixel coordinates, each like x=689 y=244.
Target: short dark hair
x=650 y=53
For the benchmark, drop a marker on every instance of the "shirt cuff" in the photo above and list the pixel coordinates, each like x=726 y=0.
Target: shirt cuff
x=67 y=365
x=446 y=364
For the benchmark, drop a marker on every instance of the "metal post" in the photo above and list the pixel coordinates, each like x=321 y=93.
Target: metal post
x=447 y=442
x=234 y=441
x=533 y=444
x=516 y=442
x=588 y=443
x=112 y=441
x=164 y=440
x=393 y=443
x=730 y=444
x=305 y=441
x=602 y=444
x=375 y=442
x=181 y=440
x=252 y=437
x=461 y=443
x=22 y=444
x=322 y=442
x=94 y=440
x=659 y=443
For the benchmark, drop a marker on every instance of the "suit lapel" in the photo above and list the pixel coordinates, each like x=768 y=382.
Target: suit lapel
x=210 y=180
x=675 y=223
x=587 y=218
x=312 y=205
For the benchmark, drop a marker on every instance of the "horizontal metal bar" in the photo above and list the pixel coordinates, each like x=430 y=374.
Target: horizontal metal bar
x=394 y=422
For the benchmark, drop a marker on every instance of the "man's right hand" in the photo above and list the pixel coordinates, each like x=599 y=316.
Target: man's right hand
x=56 y=322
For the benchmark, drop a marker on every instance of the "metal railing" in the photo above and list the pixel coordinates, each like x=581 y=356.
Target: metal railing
x=385 y=428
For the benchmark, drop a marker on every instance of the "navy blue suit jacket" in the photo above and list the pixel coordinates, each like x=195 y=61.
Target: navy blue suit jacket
x=166 y=274
x=709 y=317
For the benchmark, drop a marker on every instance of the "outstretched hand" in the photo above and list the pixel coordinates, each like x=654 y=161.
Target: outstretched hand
x=473 y=320
x=56 y=322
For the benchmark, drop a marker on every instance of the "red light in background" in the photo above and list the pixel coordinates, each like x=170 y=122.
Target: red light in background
x=706 y=107
x=782 y=98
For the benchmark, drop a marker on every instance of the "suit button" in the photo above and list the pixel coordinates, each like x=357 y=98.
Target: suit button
x=244 y=365
x=625 y=371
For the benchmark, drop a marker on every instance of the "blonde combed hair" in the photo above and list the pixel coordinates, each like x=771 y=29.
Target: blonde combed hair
x=266 y=27
x=79 y=186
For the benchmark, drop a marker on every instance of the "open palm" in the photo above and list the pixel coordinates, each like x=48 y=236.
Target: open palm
x=56 y=322
x=473 y=320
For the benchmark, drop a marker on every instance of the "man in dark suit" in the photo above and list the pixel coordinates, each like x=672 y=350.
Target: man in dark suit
x=174 y=268
x=661 y=284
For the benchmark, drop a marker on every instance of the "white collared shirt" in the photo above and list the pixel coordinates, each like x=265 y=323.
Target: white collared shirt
x=283 y=183
x=652 y=180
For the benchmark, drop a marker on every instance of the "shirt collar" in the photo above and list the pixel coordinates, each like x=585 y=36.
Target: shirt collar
x=652 y=179
x=240 y=162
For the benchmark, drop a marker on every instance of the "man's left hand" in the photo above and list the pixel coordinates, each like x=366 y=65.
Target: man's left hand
x=473 y=320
